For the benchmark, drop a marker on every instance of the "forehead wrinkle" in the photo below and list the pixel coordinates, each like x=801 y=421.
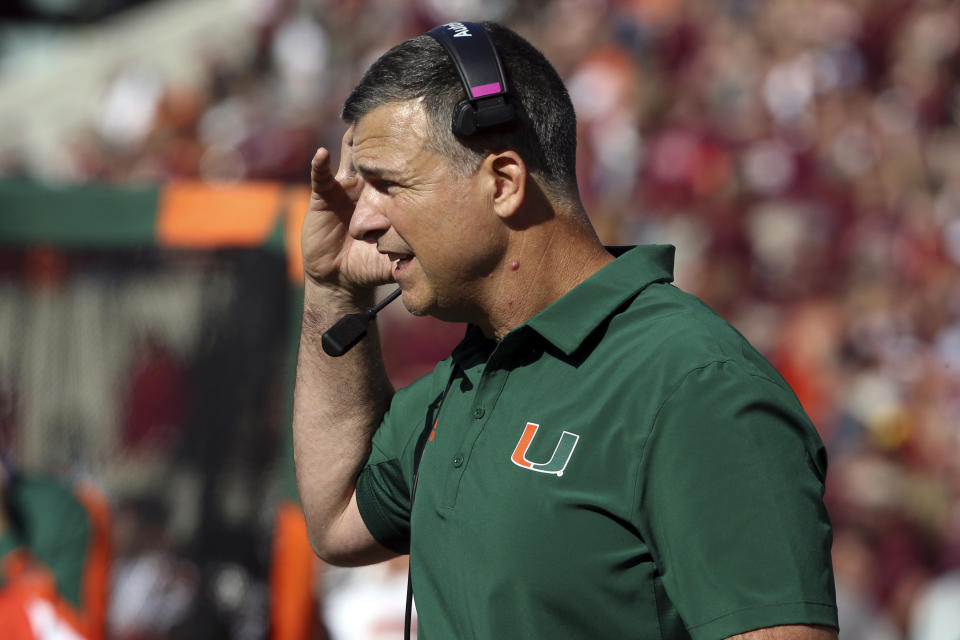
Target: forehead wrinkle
x=378 y=172
x=382 y=154
x=392 y=142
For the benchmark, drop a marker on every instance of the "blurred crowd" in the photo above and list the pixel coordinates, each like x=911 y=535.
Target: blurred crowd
x=804 y=156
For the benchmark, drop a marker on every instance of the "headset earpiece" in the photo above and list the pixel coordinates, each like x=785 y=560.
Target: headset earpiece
x=467 y=119
x=487 y=105
x=464 y=122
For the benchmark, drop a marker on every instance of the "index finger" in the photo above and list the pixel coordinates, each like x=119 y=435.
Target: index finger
x=346 y=170
x=334 y=190
x=320 y=177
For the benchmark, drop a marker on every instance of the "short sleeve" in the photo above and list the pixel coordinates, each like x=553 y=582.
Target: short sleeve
x=385 y=482
x=731 y=487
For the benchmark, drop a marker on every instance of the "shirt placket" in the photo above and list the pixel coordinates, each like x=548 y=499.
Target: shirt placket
x=479 y=413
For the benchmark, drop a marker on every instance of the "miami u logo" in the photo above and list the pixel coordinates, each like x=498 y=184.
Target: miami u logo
x=557 y=462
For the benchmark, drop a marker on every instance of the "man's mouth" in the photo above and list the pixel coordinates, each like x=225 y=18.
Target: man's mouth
x=400 y=261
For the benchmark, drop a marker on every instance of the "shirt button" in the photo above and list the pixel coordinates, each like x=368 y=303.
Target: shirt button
x=478 y=413
x=457 y=461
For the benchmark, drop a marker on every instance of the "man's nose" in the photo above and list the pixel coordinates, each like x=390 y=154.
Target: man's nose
x=368 y=221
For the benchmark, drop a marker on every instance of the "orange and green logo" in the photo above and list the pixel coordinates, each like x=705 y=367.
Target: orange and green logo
x=557 y=462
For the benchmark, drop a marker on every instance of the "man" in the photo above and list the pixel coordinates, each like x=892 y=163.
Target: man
x=602 y=456
x=54 y=558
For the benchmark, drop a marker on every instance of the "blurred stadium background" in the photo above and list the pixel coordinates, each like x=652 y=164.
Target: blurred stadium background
x=804 y=156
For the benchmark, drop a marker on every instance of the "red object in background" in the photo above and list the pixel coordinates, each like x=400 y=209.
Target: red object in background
x=808 y=338
x=803 y=382
x=45 y=267
x=30 y=607
x=412 y=346
x=155 y=404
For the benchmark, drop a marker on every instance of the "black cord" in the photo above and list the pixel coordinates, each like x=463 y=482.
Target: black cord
x=418 y=456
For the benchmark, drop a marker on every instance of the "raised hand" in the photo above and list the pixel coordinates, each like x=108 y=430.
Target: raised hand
x=330 y=255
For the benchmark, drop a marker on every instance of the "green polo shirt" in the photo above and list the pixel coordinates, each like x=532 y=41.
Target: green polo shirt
x=623 y=465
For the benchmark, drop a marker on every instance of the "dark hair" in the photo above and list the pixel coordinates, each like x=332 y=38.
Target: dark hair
x=545 y=133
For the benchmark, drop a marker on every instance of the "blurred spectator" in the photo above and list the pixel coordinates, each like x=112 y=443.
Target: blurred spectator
x=367 y=603
x=936 y=616
x=54 y=558
x=153 y=591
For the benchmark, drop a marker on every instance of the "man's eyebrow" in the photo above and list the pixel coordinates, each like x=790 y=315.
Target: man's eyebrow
x=378 y=172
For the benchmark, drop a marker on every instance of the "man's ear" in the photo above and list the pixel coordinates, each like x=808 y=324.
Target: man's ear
x=509 y=175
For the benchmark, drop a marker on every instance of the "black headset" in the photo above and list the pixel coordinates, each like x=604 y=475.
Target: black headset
x=487 y=105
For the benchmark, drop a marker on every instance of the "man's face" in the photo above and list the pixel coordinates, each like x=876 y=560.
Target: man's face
x=437 y=226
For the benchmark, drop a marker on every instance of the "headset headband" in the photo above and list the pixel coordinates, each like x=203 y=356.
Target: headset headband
x=473 y=54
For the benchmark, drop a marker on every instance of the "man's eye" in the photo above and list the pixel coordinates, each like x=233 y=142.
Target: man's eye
x=383 y=186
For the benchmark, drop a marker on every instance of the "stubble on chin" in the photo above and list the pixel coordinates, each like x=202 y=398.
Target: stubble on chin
x=411 y=306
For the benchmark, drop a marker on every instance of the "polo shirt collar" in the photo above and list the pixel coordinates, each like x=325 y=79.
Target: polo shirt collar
x=567 y=322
